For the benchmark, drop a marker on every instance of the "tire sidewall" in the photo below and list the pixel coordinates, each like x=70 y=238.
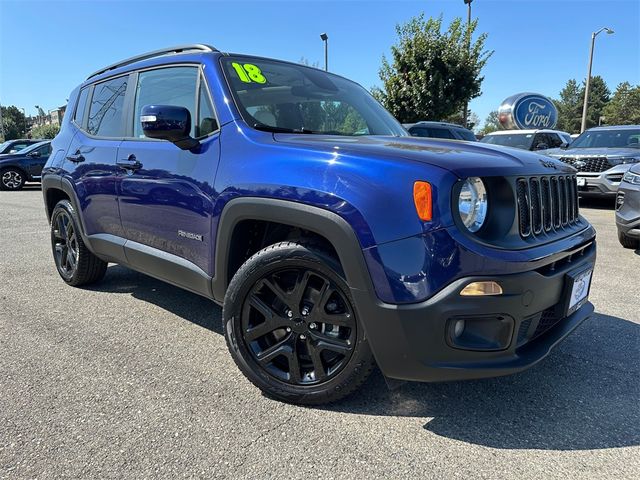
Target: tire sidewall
x=64 y=206
x=272 y=259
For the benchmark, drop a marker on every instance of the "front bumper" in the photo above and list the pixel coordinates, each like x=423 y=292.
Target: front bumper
x=412 y=341
x=603 y=184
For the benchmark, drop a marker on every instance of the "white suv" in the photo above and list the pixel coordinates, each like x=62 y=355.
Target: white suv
x=529 y=139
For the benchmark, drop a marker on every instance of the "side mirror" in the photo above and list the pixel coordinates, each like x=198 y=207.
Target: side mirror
x=168 y=122
x=35 y=154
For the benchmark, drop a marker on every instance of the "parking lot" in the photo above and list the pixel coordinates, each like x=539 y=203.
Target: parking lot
x=131 y=378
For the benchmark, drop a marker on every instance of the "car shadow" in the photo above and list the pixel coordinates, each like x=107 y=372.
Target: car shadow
x=583 y=396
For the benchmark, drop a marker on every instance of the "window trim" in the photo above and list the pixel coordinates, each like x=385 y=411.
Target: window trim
x=201 y=75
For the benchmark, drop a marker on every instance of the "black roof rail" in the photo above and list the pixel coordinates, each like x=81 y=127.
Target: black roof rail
x=197 y=47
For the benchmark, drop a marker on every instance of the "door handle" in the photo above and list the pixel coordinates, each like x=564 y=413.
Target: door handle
x=129 y=163
x=76 y=157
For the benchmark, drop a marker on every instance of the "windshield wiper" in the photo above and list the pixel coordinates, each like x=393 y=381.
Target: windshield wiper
x=271 y=128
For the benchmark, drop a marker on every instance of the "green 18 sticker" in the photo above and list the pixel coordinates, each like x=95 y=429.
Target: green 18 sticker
x=249 y=73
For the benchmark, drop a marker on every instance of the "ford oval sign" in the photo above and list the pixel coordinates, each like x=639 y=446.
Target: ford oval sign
x=528 y=111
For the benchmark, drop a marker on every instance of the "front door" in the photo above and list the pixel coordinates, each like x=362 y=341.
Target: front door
x=166 y=194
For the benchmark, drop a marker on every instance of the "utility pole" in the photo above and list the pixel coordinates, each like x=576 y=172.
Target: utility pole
x=465 y=111
x=583 y=126
x=1 y=124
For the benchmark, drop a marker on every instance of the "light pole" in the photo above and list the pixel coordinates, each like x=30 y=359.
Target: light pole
x=24 y=114
x=38 y=109
x=583 y=127
x=325 y=39
x=1 y=124
x=465 y=111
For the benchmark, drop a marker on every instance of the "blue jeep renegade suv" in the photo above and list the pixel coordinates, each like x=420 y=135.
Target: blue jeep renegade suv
x=332 y=238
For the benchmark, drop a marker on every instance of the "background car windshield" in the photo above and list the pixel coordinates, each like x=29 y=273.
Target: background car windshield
x=614 y=138
x=518 y=140
x=302 y=99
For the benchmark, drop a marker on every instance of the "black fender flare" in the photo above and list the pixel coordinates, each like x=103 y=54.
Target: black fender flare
x=58 y=182
x=318 y=220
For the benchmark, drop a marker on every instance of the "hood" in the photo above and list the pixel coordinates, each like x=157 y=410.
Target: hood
x=610 y=153
x=461 y=158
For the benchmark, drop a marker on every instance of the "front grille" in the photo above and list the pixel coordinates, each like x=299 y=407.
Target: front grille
x=546 y=203
x=540 y=322
x=588 y=164
x=547 y=320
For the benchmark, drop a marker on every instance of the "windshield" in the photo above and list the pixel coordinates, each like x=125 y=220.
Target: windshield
x=518 y=140
x=284 y=97
x=613 y=138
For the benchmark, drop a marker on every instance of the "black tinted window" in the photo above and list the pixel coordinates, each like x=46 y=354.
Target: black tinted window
x=167 y=86
x=440 y=133
x=82 y=103
x=466 y=134
x=106 y=112
x=419 y=132
x=44 y=150
x=207 y=119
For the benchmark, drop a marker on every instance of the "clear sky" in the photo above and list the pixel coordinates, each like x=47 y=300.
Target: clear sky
x=47 y=48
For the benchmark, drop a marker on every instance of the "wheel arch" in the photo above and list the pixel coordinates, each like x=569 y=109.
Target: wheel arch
x=323 y=223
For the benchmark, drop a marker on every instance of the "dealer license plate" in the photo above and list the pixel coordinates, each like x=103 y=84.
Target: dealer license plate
x=579 y=290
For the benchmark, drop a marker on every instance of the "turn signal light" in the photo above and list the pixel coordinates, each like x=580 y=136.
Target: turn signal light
x=422 y=200
x=481 y=288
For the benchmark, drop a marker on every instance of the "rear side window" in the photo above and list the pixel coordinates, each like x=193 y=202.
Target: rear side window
x=419 y=132
x=466 y=134
x=107 y=105
x=441 y=133
x=167 y=86
x=78 y=116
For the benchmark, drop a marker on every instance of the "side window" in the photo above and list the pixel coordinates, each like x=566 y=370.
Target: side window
x=419 y=132
x=106 y=111
x=206 y=117
x=18 y=146
x=44 y=150
x=166 y=86
x=441 y=133
x=78 y=116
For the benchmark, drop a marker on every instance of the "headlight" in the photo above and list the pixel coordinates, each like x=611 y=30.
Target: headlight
x=472 y=204
x=631 y=178
x=630 y=159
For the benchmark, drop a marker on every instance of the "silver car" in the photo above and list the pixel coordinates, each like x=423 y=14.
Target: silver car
x=628 y=209
x=602 y=155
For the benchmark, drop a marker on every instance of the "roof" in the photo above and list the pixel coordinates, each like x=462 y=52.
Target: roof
x=617 y=127
x=511 y=132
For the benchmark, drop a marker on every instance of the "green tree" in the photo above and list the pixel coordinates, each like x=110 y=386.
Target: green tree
x=13 y=123
x=432 y=72
x=624 y=106
x=599 y=95
x=569 y=107
x=491 y=123
x=45 y=131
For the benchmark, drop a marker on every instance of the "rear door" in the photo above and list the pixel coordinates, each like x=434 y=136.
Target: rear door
x=166 y=196
x=91 y=159
x=37 y=159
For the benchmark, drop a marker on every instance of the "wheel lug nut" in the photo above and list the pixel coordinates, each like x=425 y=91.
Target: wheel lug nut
x=288 y=329
x=289 y=314
x=303 y=336
x=312 y=325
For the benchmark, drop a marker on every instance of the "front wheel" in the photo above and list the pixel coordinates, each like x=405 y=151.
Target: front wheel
x=12 y=179
x=291 y=327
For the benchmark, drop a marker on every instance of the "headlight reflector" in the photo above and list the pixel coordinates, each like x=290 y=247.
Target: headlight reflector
x=472 y=204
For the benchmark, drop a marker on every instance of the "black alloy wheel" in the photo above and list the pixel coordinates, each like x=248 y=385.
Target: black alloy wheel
x=298 y=326
x=65 y=244
x=291 y=326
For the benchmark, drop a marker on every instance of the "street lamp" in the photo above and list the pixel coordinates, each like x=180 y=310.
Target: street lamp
x=583 y=127
x=325 y=39
x=465 y=111
x=24 y=114
x=38 y=109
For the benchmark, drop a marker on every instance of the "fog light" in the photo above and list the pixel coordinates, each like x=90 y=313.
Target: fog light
x=458 y=328
x=481 y=288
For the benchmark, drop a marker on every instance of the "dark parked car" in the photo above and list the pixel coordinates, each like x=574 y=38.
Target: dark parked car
x=14 y=146
x=24 y=166
x=628 y=208
x=333 y=242
x=601 y=155
x=445 y=130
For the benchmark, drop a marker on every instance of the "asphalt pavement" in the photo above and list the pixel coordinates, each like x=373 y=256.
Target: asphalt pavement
x=131 y=378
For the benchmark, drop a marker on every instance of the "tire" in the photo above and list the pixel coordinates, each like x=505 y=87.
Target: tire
x=291 y=327
x=628 y=242
x=12 y=179
x=75 y=263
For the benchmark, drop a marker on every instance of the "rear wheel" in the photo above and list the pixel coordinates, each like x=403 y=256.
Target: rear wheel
x=74 y=262
x=12 y=179
x=291 y=327
x=628 y=242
